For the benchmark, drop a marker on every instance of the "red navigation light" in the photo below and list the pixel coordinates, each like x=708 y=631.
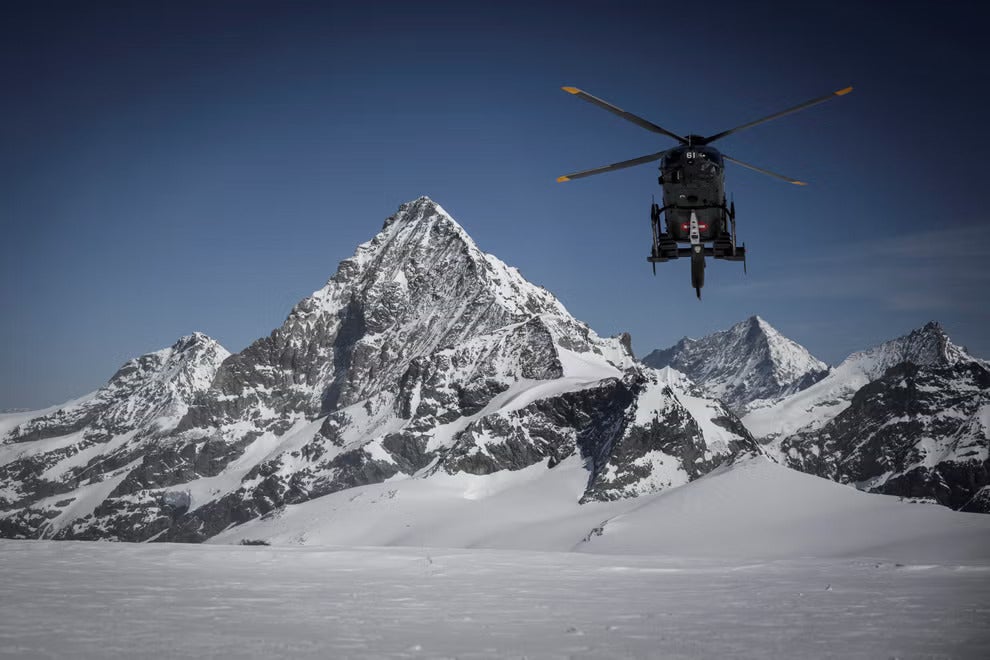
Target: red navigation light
x=685 y=226
x=702 y=226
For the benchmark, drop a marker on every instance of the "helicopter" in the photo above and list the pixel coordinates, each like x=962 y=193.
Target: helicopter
x=693 y=180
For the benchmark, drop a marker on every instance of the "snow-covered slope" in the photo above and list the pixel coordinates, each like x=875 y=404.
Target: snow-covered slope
x=421 y=357
x=759 y=509
x=752 y=508
x=749 y=364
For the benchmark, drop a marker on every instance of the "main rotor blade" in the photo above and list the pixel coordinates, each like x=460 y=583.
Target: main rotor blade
x=614 y=166
x=628 y=116
x=807 y=104
x=763 y=171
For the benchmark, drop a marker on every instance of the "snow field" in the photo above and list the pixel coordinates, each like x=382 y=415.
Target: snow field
x=753 y=509
x=98 y=600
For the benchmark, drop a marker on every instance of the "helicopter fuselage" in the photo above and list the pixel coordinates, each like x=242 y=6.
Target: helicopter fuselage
x=693 y=181
x=694 y=210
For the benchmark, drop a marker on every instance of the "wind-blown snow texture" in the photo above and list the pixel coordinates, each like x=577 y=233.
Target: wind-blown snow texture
x=421 y=357
x=104 y=600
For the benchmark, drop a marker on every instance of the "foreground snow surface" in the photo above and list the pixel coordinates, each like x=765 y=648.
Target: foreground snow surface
x=102 y=600
x=753 y=560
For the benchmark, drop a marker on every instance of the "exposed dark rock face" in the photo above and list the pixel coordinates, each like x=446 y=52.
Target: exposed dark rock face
x=419 y=285
x=599 y=423
x=917 y=432
x=908 y=417
x=670 y=434
x=980 y=502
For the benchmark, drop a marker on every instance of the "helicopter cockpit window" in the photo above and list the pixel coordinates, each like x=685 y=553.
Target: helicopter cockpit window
x=671 y=169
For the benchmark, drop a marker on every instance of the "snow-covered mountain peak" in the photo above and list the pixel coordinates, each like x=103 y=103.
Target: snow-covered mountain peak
x=925 y=346
x=422 y=245
x=812 y=408
x=758 y=324
x=759 y=321
x=194 y=339
x=418 y=286
x=422 y=210
x=186 y=366
x=193 y=356
x=748 y=362
x=150 y=392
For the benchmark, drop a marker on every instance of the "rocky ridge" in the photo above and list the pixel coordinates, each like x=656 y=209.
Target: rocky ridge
x=815 y=405
x=910 y=417
x=50 y=460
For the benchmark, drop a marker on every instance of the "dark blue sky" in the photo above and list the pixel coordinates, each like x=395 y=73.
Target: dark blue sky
x=170 y=167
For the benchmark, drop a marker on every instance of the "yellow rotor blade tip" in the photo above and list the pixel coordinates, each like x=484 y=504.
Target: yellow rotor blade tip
x=561 y=179
x=571 y=90
x=844 y=91
x=799 y=183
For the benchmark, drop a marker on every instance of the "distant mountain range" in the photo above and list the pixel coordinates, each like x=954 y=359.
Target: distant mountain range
x=425 y=359
x=910 y=417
